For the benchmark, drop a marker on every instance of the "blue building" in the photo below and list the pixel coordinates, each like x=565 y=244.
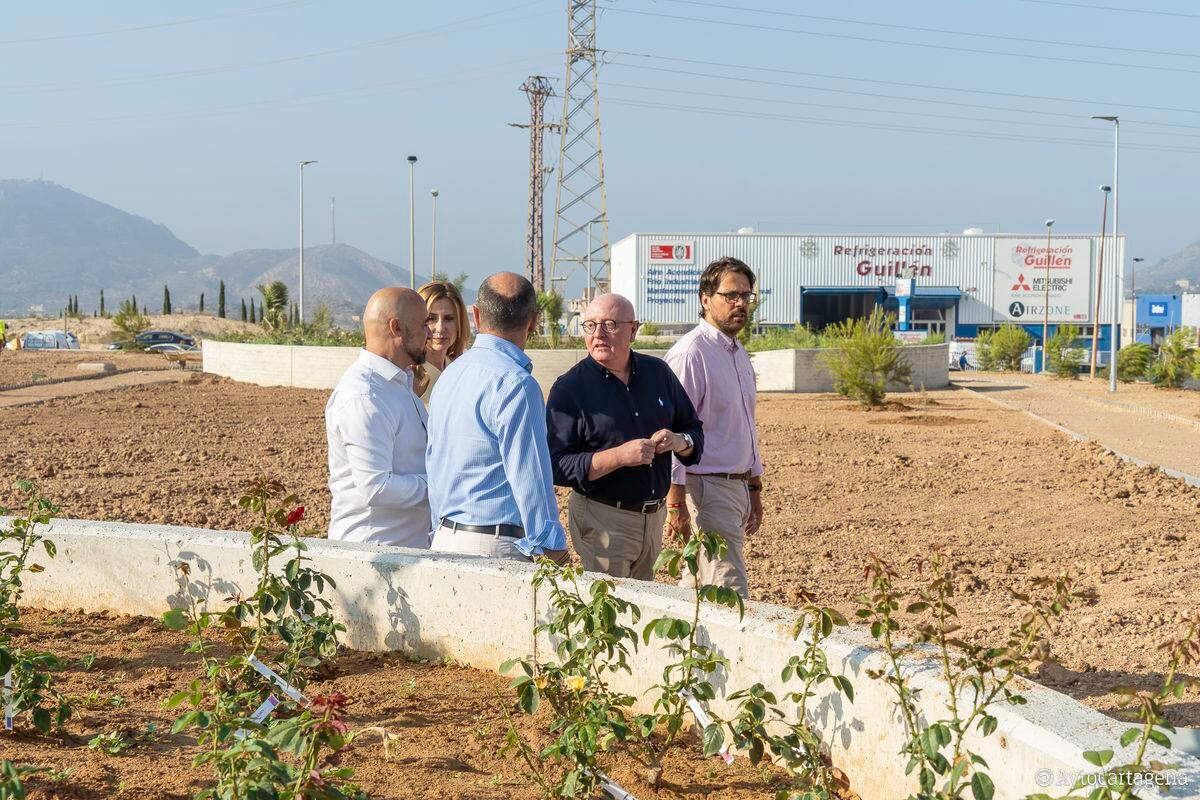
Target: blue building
x=1157 y=315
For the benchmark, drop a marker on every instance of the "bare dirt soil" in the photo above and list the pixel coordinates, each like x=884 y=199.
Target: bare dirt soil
x=1011 y=499
x=449 y=721
x=28 y=366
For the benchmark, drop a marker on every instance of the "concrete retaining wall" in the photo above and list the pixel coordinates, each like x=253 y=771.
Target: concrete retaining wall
x=482 y=612
x=803 y=370
x=322 y=367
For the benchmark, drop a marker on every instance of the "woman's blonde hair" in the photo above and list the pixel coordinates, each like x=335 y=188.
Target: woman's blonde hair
x=431 y=293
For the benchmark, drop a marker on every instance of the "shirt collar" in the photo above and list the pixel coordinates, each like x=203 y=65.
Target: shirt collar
x=633 y=359
x=384 y=368
x=711 y=331
x=489 y=341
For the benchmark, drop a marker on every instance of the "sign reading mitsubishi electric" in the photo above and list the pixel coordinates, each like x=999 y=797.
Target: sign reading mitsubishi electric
x=1019 y=287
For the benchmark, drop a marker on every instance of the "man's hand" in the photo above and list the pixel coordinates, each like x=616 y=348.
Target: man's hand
x=667 y=442
x=679 y=524
x=557 y=556
x=636 y=452
x=756 y=512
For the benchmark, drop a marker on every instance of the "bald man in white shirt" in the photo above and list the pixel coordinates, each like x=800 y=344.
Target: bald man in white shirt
x=376 y=430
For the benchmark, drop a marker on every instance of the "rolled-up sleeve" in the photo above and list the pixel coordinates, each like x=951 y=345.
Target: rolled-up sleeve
x=569 y=456
x=519 y=423
x=368 y=431
x=689 y=369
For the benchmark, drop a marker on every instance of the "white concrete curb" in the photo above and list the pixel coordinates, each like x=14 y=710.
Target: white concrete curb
x=482 y=612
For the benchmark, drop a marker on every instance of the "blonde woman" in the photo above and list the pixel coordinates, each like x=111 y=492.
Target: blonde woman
x=449 y=334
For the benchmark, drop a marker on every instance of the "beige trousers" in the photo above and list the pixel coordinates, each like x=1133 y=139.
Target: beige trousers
x=491 y=545
x=722 y=506
x=624 y=544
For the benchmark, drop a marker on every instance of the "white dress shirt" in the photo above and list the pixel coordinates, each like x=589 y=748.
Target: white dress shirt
x=376 y=431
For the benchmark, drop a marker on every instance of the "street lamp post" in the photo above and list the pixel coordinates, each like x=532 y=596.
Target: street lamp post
x=303 y=164
x=1133 y=293
x=1099 y=282
x=433 y=240
x=1046 y=303
x=1119 y=300
x=412 y=224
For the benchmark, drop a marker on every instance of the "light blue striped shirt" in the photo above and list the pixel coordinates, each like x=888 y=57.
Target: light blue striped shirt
x=488 y=460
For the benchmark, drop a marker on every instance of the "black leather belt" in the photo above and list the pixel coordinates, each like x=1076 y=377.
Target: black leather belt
x=647 y=507
x=508 y=531
x=732 y=476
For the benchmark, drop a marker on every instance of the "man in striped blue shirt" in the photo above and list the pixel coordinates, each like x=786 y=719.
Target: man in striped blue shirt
x=491 y=488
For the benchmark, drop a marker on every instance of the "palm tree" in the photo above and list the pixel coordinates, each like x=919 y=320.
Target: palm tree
x=551 y=306
x=274 y=304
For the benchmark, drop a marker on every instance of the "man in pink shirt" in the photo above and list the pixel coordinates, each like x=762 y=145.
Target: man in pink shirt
x=721 y=493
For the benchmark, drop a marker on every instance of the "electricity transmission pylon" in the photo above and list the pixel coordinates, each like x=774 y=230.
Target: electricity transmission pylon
x=537 y=88
x=580 y=208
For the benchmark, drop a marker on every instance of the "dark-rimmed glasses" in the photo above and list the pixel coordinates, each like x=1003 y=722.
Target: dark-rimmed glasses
x=609 y=325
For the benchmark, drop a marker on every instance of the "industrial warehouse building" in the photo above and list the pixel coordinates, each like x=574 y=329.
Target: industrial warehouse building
x=964 y=283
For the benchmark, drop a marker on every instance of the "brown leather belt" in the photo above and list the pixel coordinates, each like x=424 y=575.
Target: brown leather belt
x=731 y=476
x=647 y=507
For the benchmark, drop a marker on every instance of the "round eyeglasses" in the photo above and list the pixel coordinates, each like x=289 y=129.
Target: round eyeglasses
x=609 y=325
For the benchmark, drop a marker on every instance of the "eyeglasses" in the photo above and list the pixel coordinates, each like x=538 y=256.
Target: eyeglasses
x=733 y=297
x=609 y=325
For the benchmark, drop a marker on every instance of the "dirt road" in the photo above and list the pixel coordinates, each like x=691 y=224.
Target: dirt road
x=1011 y=498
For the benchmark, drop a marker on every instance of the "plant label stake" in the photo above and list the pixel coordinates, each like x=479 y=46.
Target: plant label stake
x=271 y=675
x=260 y=714
x=8 y=701
x=611 y=787
x=704 y=720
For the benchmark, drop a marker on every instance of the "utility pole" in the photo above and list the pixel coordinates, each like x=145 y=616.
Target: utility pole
x=412 y=224
x=433 y=238
x=1099 y=281
x=537 y=89
x=1046 y=302
x=303 y=164
x=580 y=197
x=333 y=218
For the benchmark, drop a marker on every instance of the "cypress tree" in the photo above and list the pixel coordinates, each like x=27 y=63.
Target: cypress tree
x=166 y=300
x=202 y=302
x=103 y=313
x=145 y=311
x=243 y=309
x=133 y=302
x=221 y=301
x=252 y=320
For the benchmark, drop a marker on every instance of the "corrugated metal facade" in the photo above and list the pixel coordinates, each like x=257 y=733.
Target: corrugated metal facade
x=663 y=287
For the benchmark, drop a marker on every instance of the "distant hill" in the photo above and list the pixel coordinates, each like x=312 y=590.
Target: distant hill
x=1161 y=277
x=55 y=243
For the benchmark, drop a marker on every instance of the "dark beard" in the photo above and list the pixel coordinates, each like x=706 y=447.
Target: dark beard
x=417 y=357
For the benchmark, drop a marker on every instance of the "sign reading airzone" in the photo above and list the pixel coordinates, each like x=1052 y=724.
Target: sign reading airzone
x=1019 y=287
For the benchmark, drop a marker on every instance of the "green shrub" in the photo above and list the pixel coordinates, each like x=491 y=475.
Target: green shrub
x=984 y=356
x=1062 y=357
x=935 y=338
x=1009 y=344
x=1133 y=361
x=797 y=338
x=865 y=357
x=1176 y=359
x=648 y=329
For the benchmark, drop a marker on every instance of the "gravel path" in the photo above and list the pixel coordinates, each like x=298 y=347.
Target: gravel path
x=1130 y=422
x=36 y=395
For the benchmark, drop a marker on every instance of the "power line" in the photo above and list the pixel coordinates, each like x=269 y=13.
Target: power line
x=876 y=95
x=456 y=26
x=910 y=85
x=959 y=117
x=919 y=29
x=888 y=127
x=174 y=23
x=1114 y=8
x=873 y=40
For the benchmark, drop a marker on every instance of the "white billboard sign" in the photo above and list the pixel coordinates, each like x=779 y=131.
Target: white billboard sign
x=1022 y=266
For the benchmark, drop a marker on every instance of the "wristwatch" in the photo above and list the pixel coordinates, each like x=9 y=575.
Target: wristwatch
x=687 y=438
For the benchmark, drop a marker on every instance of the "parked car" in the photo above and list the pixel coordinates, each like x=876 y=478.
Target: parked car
x=171 y=347
x=147 y=339
x=49 y=340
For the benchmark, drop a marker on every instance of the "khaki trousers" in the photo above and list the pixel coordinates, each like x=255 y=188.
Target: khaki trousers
x=447 y=540
x=624 y=544
x=722 y=506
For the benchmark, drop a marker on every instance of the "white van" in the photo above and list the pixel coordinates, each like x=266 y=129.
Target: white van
x=49 y=340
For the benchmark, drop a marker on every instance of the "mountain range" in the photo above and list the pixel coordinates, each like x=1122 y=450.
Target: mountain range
x=56 y=243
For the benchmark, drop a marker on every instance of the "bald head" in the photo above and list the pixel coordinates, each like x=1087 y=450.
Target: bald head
x=394 y=325
x=609 y=306
x=506 y=303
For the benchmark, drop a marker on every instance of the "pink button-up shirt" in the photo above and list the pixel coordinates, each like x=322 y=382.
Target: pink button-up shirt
x=716 y=373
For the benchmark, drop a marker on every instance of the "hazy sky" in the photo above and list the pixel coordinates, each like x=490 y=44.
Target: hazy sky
x=194 y=115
